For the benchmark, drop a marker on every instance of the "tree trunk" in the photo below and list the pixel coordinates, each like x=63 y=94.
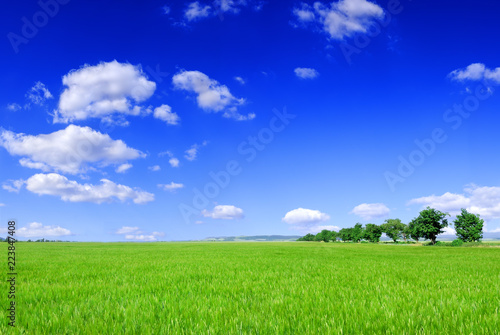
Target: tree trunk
x=433 y=240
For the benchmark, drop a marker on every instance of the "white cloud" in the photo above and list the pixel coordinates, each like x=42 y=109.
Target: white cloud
x=482 y=200
x=172 y=187
x=103 y=90
x=197 y=11
x=69 y=150
x=497 y=230
x=211 y=95
x=36 y=229
x=340 y=19
x=123 y=168
x=2 y=205
x=317 y=229
x=306 y=220
x=166 y=10
x=38 y=94
x=370 y=211
x=192 y=153
x=69 y=190
x=306 y=73
x=448 y=231
x=240 y=80
x=13 y=185
x=225 y=212
x=164 y=113
x=14 y=107
x=476 y=72
x=154 y=168
x=174 y=162
x=127 y=230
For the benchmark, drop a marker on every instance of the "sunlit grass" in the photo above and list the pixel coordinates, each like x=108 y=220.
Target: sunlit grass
x=254 y=288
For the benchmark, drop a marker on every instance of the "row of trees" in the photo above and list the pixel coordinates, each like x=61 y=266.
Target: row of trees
x=428 y=225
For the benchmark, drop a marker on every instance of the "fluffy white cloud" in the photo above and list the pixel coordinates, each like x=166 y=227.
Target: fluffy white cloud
x=172 y=187
x=123 y=168
x=164 y=113
x=211 y=95
x=370 y=211
x=127 y=230
x=196 y=11
x=306 y=73
x=340 y=19
x=448 y=231
x=306 y=220
x=36 y=229
x=69 y=190
x=174 y=162
x=13 y=107
x=475 y=72
x=154 y=168
x=13 y=185
x=317 y=229
x=102 y=90
x=482 y=200
x=69 y=150
x=38 y=94
x=240 y=80
x=226 y=212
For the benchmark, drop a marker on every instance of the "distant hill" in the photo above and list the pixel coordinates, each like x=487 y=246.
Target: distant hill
x=257 y=238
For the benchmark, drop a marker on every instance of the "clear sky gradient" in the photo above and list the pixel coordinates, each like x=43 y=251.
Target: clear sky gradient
x=157 y=120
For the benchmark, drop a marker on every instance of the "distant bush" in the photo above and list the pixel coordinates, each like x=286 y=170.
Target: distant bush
x=457 y=243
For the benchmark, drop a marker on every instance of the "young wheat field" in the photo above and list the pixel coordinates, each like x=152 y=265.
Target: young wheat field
x=254 y=288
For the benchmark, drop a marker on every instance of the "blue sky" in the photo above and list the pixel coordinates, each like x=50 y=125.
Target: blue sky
x=116 y=116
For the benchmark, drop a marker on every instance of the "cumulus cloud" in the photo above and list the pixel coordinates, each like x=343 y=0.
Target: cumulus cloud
x=172 y=187
x=123 y=168
x=13 y=185
x=103 y=90
x=340 y=19
x=211 y=95
x=306 y=73
x=317 y=229
x=370 y=211
x=38 y=94
x=174 y=162
x=225 y=212
x=306 y=220
x=164 y=113
x=69 y=150
x=154 y=168
x=36 y=229
x=476 y=72
x=482 y=200
x=133 y=233
x=68 y=190
x=196 y=11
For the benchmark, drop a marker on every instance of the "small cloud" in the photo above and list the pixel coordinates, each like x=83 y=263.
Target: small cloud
x=38 y=94
x=192 y=153
x=240 y=80
x=123 y=168
x=36 y=229
x=306 y=220
x=317 y=229
x=154 y=168
x=166 y=10
x=13 y=107
x=195 y=11
x=174 y=162
x=164 y=113
x=2 y=205
x=13 y=185
x=199 y=222
x=370 y=211
x=172 y=187
x=306 y=73
x=127 y=230
x=476 y=72
x=225 y=212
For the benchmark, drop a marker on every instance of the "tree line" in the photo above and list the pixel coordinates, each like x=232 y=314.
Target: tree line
x=428 y=225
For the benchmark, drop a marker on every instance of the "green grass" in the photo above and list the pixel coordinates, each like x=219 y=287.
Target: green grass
x=254 y=288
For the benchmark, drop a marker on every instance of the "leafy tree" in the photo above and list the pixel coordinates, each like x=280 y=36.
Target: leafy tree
x=393 y=228
x=345 y=234
x=415 y=232
x=372 y=232
x=431 y=223
x=405 y=232
x=469 y=227
x=325 y=236
x=308 y=237
x=357 y=232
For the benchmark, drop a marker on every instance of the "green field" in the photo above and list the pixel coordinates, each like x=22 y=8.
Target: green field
x=254 y=288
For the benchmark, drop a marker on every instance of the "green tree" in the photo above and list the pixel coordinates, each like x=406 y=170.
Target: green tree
x=469 y=227
x=415 y=231
x=357 y=232
x=308 y=237
x=372 y=232
x=393 y=228
x=405 y=232
x=345 y=234
x=431 y=223
x=325 y=236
